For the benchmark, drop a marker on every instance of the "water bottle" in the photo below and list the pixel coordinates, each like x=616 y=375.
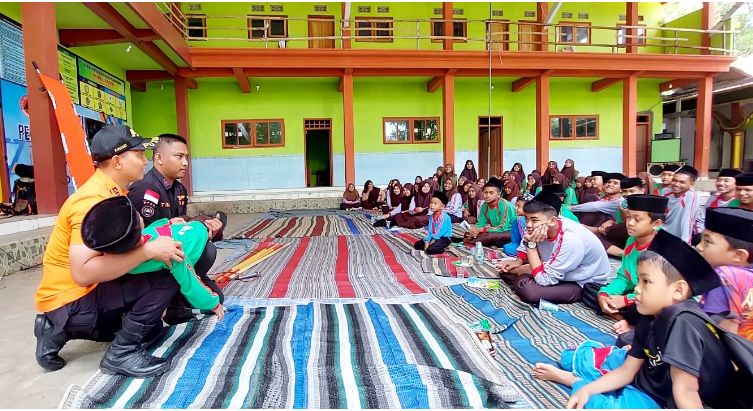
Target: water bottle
x=479 y=251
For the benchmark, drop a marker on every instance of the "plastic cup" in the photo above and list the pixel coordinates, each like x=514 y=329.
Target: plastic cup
x=461 y=272
x=494 y=261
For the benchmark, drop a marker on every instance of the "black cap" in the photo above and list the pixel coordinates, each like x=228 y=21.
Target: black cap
x=744 y=179
x=692 y=172
x=631 y=182
x=671 y=167
x=441 y=196
x=113 y=140
x=613 y=176
x=558 y=189
x=732 y=222
x=494 y=182
x=550 y=199
x=691 y=265
x=598 y=173
x=647 y=203
x=112 y=226
x=729 y=172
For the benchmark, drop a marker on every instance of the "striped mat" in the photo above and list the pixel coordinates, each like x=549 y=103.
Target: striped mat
x=364 y=355
x=334 y=267
x=316 y=226
x=527 y=335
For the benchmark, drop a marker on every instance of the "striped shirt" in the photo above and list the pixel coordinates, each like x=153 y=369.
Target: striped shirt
x=734 y=297
x=714 y=201
x=681 y=213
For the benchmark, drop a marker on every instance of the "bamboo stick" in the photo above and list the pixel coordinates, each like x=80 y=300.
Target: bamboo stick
x=250 y=259
x=256 y=262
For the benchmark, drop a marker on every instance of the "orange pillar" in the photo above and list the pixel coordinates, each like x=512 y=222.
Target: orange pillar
x=4 y=177
x=629 y=126
x=346 y=31
x=707 y=22
x=184 y=130
x=542 y=121
x=448 y=114
x=448 y=31
x=632 y=20
x=703 y=126
x=40 y=45
x=542 y=10
x=350 y=154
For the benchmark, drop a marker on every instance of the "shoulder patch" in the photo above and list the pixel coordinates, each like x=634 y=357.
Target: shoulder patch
x=147 y=211
x=151 y=196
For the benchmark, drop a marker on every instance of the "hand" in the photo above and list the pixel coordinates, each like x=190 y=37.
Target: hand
x=177 y=220
x=473 y=232
x=164 y=249
x=219 y=311
x=465 y=214
x=386 y=216
x=538 y=234
x=617 y=302
x=426 y=245
x=213 y=226
x=605 y=304
x=578 y=400
x=418 y=209
x=506 y=266
x=603 y=228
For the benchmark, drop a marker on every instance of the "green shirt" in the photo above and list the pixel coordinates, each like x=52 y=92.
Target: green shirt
x=627 y=275
x=736 y=203
x=570 y=198
x=501 y=217
x=194 y=237
x=566 y=213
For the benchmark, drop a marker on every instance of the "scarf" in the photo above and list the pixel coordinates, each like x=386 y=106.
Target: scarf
x=405 y=202
x=471 y=174
x=451 y=174
x=423 y=200
x=520 y=176
x=563 y=180
x=536 y=183
x=396 y=199
x=435 y=224
x=464 y=191
x=351 y=195
x=473 y=202
x=580 y=193
x=373 y=195
x=549 y=173
x=452 y=191
x=649 y=183
x=514 y=190
x=570 y=172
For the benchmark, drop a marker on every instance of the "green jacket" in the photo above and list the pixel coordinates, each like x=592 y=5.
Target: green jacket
x=194 y=237
x=627 y=275
x=500 y=217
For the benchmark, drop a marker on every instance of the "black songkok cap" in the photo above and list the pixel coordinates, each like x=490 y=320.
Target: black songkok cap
x=614 y=176
x=691 y=265
x=112 y=226
x=647 y=203
x=688 y=170
x=598 y=173
x=494 y=182
x=631 y=182
x=744 y=179
x=729 y=172
x=441 y=196
x=550 y=199
x=558 y=189
x=732 y=222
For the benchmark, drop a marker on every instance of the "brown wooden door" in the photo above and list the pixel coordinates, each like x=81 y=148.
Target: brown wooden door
x=499 y=31
x=483 y=153
x=322 y=26
x=525 y=37
x=642 y=146
x=495 y=151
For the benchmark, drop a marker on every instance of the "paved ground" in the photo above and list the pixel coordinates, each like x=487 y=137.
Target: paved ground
x=23 y=384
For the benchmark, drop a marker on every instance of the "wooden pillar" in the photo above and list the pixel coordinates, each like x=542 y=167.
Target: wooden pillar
x=345 y=31
x=736 y=137
x=542 y=40
x=350 y=154
x=542 y=121
x=707 y=22
x=448 y=115
x=632 y=20
x=629 y=126
x=184 y=130
x=703 y=126
x=447 y=17
x=40 y=45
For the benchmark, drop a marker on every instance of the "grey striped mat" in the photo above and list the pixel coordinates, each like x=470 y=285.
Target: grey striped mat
x=310 y=226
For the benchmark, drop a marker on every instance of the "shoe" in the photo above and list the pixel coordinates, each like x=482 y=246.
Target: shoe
x=154 y=336
x=48 y=344
x=127 y=355
x=380 y=223
x=178 y=314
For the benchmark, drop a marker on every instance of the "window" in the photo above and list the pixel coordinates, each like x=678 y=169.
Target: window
x=374 y=29
x=253 y=133
x=577 y=33
x=574 y=127
x=197 y=26
x=267 y=26
x=459 y=29
x=621 y=39
x=411 y=130
x=499 y=32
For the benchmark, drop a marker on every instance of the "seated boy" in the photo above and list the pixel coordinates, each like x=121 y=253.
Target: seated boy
x=494 y=219
x=518 y=225
x=744 y=191
x=594 y=214
x=113 y=226
x=724 y=196
x=666 y=178
x=613 y=233
x=727 y=244
x=676 y=358
x=683 y=203
x=440 y=226
x=645 y=214
x=562 y=256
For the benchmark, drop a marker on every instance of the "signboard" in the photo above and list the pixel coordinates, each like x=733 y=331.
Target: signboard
x=15 y=105
x=11 y=52
x=69 y=72
x=101 y=91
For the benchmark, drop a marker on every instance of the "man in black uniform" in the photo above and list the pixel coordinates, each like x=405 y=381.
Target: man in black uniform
x=160 y=195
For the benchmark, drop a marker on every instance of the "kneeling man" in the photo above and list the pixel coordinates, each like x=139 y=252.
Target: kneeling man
x=562 y=256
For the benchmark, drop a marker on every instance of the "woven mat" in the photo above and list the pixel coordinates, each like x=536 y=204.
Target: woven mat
x=527 y=335
x=309 y=213
x=310 y=226
x=334 y=267
x=364 y=355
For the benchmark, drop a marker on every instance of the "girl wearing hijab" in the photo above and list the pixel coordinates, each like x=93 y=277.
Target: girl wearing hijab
x=505 y=176
x=645 y=177
x=417 y=214
x=370 y=196
x=473 y=204
x=394 y=196
x=454 y=207
x=580 y=189
x=570 y=198
x=570 y=172
x=404 y=201
x=511 y=191
x=534 y=183
x=481 y=181
x=591 y=193
x=417 y=181
x=464 y=191
x=520 y=175
x=351 y=198
x=469 y=171
x=513 y=178
x=549 y=173
x=449 y=173
x=461 y=181
x=440 y=173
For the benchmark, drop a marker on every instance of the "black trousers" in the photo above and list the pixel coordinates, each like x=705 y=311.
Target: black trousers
x=204 y=264
x=591 y=299
x=98 y=315
x=437 y=247
x=532 y=292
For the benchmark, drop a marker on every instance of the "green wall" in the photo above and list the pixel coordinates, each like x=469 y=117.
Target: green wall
x=693 y=21
x=154 y=111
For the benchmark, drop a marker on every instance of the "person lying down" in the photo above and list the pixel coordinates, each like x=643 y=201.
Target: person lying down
x=113 y=226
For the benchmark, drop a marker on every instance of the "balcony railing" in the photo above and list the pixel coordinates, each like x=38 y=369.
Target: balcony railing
x=498 y=35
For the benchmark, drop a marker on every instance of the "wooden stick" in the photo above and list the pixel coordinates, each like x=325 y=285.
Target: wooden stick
x=242 y=264
x=256 y=262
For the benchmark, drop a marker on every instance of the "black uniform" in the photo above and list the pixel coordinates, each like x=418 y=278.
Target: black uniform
x=155 y=198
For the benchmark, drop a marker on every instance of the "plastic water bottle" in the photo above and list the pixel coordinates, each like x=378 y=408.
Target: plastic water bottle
x=479 y=251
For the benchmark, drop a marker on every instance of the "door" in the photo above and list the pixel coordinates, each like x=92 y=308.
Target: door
x=490 y=146
x=317 y=152
x=642 y=146
x=322 y=26
x=499 y=31
x=526 y=37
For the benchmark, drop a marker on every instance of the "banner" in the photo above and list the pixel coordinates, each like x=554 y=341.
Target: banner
x=15 y=106
x=101 y=91
x=69 y=72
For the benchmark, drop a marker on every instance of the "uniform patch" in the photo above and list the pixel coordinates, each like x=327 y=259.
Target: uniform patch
x=147 y=211
x=151 y=196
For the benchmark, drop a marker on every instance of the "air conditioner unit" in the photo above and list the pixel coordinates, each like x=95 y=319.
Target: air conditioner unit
x=655 y=168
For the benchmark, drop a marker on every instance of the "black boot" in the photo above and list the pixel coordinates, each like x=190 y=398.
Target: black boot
x=48 y=344
x=127 y=355
x=380 y=223
x=154 y=336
